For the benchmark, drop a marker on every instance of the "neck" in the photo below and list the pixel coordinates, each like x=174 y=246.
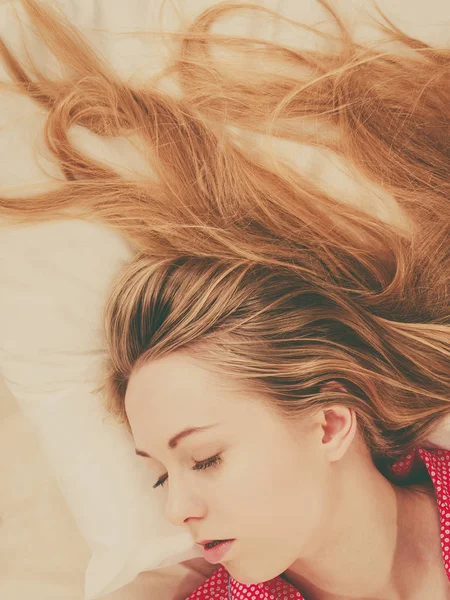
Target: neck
x=378 y=542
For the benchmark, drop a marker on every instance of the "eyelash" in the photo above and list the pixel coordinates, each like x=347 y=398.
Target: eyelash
x=214 y=461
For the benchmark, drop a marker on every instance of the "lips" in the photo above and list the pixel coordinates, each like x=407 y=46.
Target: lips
x=217 y=552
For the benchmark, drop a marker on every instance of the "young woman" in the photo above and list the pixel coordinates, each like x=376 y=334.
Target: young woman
x=280 y=357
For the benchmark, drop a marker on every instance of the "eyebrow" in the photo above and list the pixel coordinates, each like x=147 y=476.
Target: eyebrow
x=173 y=442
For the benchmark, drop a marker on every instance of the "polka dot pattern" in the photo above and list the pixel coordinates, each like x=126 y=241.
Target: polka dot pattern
x=221 y=586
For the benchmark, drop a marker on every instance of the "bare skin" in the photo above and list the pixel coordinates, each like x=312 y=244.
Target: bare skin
x=414 y=568
x=300 y=498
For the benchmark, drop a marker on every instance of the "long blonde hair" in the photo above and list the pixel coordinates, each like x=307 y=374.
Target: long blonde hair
x=240 y=259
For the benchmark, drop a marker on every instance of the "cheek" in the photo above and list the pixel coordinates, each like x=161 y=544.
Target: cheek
x=302 y=495
x=267 y=491
x=285 y=488
x=252 y=491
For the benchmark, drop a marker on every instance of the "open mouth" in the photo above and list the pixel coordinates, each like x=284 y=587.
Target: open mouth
x=215 y=543
x=214 y=552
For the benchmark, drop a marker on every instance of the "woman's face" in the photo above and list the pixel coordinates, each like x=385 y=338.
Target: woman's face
x=271 y=490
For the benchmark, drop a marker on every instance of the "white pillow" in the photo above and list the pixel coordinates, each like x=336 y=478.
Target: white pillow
x=54 y=280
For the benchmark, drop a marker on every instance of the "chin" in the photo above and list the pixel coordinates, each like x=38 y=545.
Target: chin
x=248 y=576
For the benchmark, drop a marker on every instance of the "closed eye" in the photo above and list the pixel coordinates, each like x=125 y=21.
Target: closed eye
x=214 y=461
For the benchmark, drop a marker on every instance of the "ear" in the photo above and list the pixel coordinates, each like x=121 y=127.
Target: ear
x=338 y=424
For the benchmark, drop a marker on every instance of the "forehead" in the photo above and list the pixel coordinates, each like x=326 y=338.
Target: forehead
x=176 y=384
x=177 y=391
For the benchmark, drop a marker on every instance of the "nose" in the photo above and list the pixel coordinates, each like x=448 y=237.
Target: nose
x=182 y=503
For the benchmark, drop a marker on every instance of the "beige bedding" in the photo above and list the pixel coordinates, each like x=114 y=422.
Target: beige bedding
x=42 y=554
